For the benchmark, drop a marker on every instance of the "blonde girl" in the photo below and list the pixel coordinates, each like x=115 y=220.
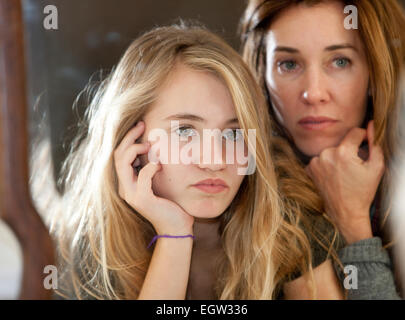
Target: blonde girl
x=115 y=200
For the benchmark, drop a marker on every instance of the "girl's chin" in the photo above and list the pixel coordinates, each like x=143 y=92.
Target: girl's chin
x=204 y=208
x=207 y=219
x=205 y=214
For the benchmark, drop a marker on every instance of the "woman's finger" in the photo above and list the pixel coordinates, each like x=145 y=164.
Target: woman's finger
x=309 y=169
x=376 y=155
x=370 y=133
x=353 y=139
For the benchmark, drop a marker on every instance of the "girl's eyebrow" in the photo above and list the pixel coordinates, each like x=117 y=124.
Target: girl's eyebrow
x=286 y=49
x=193 y=117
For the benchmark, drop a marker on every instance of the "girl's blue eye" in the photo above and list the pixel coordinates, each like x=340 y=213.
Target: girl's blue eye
x=288 y=65
x=341 y=62
x=232 y=134
x=185 y=132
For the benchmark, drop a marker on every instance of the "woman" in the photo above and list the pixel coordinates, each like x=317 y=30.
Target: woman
x=116 y=201
x=325 y=81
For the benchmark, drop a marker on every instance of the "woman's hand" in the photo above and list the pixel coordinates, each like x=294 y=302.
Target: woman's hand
x=348 y=184
x=166 y=216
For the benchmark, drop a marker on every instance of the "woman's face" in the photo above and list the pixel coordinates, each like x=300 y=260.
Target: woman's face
x=317 y=75
x=197 y=100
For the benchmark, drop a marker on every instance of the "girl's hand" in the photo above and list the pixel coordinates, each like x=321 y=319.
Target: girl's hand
x=136 y=189
x=348 y=184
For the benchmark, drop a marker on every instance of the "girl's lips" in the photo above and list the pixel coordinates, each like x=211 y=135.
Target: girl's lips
x=316 y=123
x=210 y=188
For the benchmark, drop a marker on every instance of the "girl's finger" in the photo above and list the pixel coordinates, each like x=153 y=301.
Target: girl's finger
x=145 y=176
x=125 y=176
x=123 y=166
x=132 y=152
x=125 y=170
x=132 y=135
x=136 y=163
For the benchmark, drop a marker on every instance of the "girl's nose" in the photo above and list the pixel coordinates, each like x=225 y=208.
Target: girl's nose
x=212 y=153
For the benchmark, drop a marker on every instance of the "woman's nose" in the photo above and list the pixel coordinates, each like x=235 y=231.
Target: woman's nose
x=315 y=87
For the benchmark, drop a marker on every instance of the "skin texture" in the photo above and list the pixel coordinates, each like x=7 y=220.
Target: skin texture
x=317 y=68
x=163 y=193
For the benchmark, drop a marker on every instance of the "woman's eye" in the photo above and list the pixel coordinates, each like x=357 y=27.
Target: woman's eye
x=232 y=134
x=341 y=62
x=185 y=132
x=287 y=65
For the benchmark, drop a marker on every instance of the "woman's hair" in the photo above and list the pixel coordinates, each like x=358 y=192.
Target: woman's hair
x=382 y=30
x=102 y=241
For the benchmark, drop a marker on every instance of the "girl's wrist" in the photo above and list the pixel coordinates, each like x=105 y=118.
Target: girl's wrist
x=175 y=231
x=170 y=237
x=186 y=228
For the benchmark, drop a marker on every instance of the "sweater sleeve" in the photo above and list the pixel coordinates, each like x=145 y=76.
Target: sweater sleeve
x=367 y=273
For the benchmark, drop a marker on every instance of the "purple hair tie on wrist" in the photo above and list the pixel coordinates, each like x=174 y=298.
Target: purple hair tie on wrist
x=168 y=236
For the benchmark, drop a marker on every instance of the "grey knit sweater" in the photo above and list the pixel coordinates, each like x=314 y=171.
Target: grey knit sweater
x=369 y=274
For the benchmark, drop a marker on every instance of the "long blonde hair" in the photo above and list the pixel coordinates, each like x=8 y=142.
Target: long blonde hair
x=102 y=241
x=382 y=29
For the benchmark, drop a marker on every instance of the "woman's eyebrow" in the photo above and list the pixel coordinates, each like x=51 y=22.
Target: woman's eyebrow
x=341 y=46
x=193 y=117
x=329 y=48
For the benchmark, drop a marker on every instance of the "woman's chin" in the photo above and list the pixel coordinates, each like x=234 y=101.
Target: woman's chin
x=315 y=149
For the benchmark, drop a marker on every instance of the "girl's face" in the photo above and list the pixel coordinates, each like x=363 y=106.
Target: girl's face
x=197 y=100
x=317 y=75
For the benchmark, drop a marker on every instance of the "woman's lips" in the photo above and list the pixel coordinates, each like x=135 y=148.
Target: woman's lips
x=211 y=185
x=316 y=123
